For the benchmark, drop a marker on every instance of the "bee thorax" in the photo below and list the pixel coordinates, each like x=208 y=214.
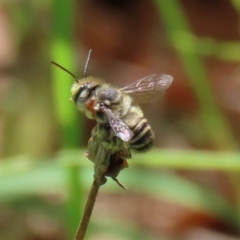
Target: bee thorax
x=108 y=95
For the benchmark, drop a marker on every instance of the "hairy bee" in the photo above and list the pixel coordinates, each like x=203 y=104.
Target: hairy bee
x=121 y=123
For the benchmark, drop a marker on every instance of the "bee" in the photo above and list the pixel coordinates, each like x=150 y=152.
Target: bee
x=121 y=125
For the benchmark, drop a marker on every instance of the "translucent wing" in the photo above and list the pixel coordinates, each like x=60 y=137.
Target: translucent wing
x=149 y=88
x=117 y=125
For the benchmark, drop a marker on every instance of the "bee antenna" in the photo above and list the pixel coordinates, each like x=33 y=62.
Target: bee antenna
x=64 y=69
x=86 y=64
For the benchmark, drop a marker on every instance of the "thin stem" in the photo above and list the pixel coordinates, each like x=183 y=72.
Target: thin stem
x=82 y=228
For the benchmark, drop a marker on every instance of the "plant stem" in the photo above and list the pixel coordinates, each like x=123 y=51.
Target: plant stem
x=183 y=40
x=63 y=52
x=82 y=228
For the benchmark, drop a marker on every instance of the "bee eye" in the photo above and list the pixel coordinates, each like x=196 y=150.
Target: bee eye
x=84 y=93
x=81 y=98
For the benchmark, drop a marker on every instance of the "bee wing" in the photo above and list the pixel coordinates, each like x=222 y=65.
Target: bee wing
x=117 y=125
x=149 y=88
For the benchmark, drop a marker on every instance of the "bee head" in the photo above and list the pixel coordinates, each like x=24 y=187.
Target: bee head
x=82 y=90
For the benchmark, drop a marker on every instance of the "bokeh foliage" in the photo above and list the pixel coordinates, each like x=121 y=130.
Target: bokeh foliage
x=67 y=172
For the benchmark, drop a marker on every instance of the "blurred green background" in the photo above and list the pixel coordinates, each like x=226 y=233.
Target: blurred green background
x=187 y=187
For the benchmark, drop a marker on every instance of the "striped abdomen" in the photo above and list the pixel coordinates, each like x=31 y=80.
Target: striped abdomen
x=143 y=136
